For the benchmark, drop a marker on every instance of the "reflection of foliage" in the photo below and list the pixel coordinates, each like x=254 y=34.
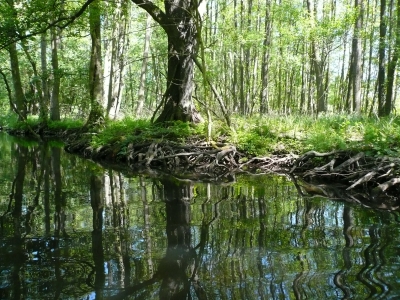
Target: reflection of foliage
x=252 y=239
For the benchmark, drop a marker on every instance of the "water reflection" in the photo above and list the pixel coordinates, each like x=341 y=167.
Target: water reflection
x=73 y=230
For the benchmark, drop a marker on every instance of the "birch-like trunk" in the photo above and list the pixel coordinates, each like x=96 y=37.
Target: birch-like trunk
x=357 y=57
x=115 y=61
x=143 y=71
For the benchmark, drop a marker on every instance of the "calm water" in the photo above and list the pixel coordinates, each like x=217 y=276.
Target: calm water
x=71 y=229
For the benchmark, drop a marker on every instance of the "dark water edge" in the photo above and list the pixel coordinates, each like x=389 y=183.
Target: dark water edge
x=71 y=229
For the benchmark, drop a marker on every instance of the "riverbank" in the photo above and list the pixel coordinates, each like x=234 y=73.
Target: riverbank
x=338 y=157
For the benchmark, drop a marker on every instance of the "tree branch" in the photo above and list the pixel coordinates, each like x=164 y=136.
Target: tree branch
x=56 y=23
x=154 y=11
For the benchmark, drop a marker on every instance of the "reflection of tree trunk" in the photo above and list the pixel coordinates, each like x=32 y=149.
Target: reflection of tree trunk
x=44 y=76
x=59 y=214
x=97 y=203
x=176 y=284
x=59 y=200
x=38 y=166
x=348 y=222
x=178 y=269
x=261 y=239
x=46 y=197
x=18 y=251
x=147 y=224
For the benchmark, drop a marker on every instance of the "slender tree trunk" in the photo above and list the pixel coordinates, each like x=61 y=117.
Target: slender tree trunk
x=317 y=64
x=19 y=97
x=115 y=61
x=55 y=94
x=367 y=94
x=265 y=60
x=45 y=87
x=357 y=57
x=383 y=106
x=96 y=114
x=393 y=63
x=143 y=71
x=35 y=85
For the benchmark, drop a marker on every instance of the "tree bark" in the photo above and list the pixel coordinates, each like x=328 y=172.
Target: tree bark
x=115 y=59
x=357 y=57
x=143 y=71
x=43 y=108
x=317 y=64
x=179 y=25
x=393 y=63
x=19 y=97
x=55 y=94
x=383 y=106
x=264 y=105
x=96 y=114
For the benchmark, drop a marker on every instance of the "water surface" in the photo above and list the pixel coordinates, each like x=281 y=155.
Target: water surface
x=71 y=229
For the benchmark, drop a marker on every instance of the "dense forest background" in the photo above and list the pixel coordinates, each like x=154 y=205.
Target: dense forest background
x=253 y=57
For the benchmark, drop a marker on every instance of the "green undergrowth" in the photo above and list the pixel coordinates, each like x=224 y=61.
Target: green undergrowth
x=255 y=136
x=10 y=121
x=141 y=131
x=270 y=135
x=298 y=134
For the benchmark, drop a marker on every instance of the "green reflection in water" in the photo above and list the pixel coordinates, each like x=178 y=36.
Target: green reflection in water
x=73 y=230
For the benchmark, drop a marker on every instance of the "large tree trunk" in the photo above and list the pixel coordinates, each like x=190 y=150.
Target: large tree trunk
x=178 y=22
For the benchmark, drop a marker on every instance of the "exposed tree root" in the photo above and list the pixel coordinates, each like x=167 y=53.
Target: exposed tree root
x=206 y=160
x=344 y=175
x=353 y=177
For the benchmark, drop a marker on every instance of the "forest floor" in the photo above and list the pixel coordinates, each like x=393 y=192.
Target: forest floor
x=359 y=172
